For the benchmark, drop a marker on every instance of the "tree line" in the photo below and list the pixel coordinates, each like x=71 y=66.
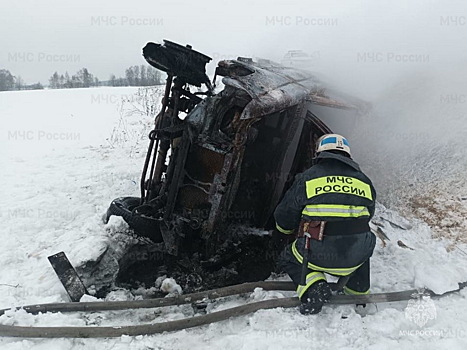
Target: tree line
x=10 y=82
x=137 y=76
x=82 y=79
x=134 y=76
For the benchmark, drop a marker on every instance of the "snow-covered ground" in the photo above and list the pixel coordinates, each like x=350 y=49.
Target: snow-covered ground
x=65 y=154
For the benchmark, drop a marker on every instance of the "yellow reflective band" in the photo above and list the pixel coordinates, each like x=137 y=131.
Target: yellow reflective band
x=311 y=278
x=336 y=210
x=338 y=184
x=333 y=271
x=349 y=291
x=283 y=230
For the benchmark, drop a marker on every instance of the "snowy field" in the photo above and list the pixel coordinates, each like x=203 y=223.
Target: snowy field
x=65 y=154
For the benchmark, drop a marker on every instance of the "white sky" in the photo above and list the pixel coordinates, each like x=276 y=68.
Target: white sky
x=32 y=32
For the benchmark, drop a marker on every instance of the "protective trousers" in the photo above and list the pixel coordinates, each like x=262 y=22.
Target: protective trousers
x=335 y=255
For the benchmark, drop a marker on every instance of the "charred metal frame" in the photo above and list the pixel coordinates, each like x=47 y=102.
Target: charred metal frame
x=207 y=170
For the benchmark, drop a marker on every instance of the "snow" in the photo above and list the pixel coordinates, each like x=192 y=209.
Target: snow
x=170 y=286
x=88 y=298
x=56 y=187
x=119 y=295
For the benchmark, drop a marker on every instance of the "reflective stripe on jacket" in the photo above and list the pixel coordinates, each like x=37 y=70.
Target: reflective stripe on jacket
x=334 y=189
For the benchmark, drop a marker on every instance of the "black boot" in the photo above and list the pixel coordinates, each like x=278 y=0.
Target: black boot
x=314 y=298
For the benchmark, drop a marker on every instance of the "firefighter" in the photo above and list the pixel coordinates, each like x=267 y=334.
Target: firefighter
x=331 y=203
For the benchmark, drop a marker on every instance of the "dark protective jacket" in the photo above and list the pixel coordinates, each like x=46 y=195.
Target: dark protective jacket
x=336 y=191
x=333 y=190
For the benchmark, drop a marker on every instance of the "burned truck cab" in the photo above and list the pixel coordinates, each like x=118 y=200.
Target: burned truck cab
x=218 y=163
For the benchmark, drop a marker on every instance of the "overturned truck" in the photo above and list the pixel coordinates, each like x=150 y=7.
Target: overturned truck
x=217 y=165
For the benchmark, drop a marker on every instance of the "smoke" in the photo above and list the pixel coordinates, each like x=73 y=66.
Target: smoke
x=406 y=60
x=412 y=146
x=412 y=141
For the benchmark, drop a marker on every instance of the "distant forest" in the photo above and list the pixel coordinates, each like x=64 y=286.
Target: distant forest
x=134 y=76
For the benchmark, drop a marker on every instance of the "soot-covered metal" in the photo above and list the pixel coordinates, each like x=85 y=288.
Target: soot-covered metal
x=212 y=179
